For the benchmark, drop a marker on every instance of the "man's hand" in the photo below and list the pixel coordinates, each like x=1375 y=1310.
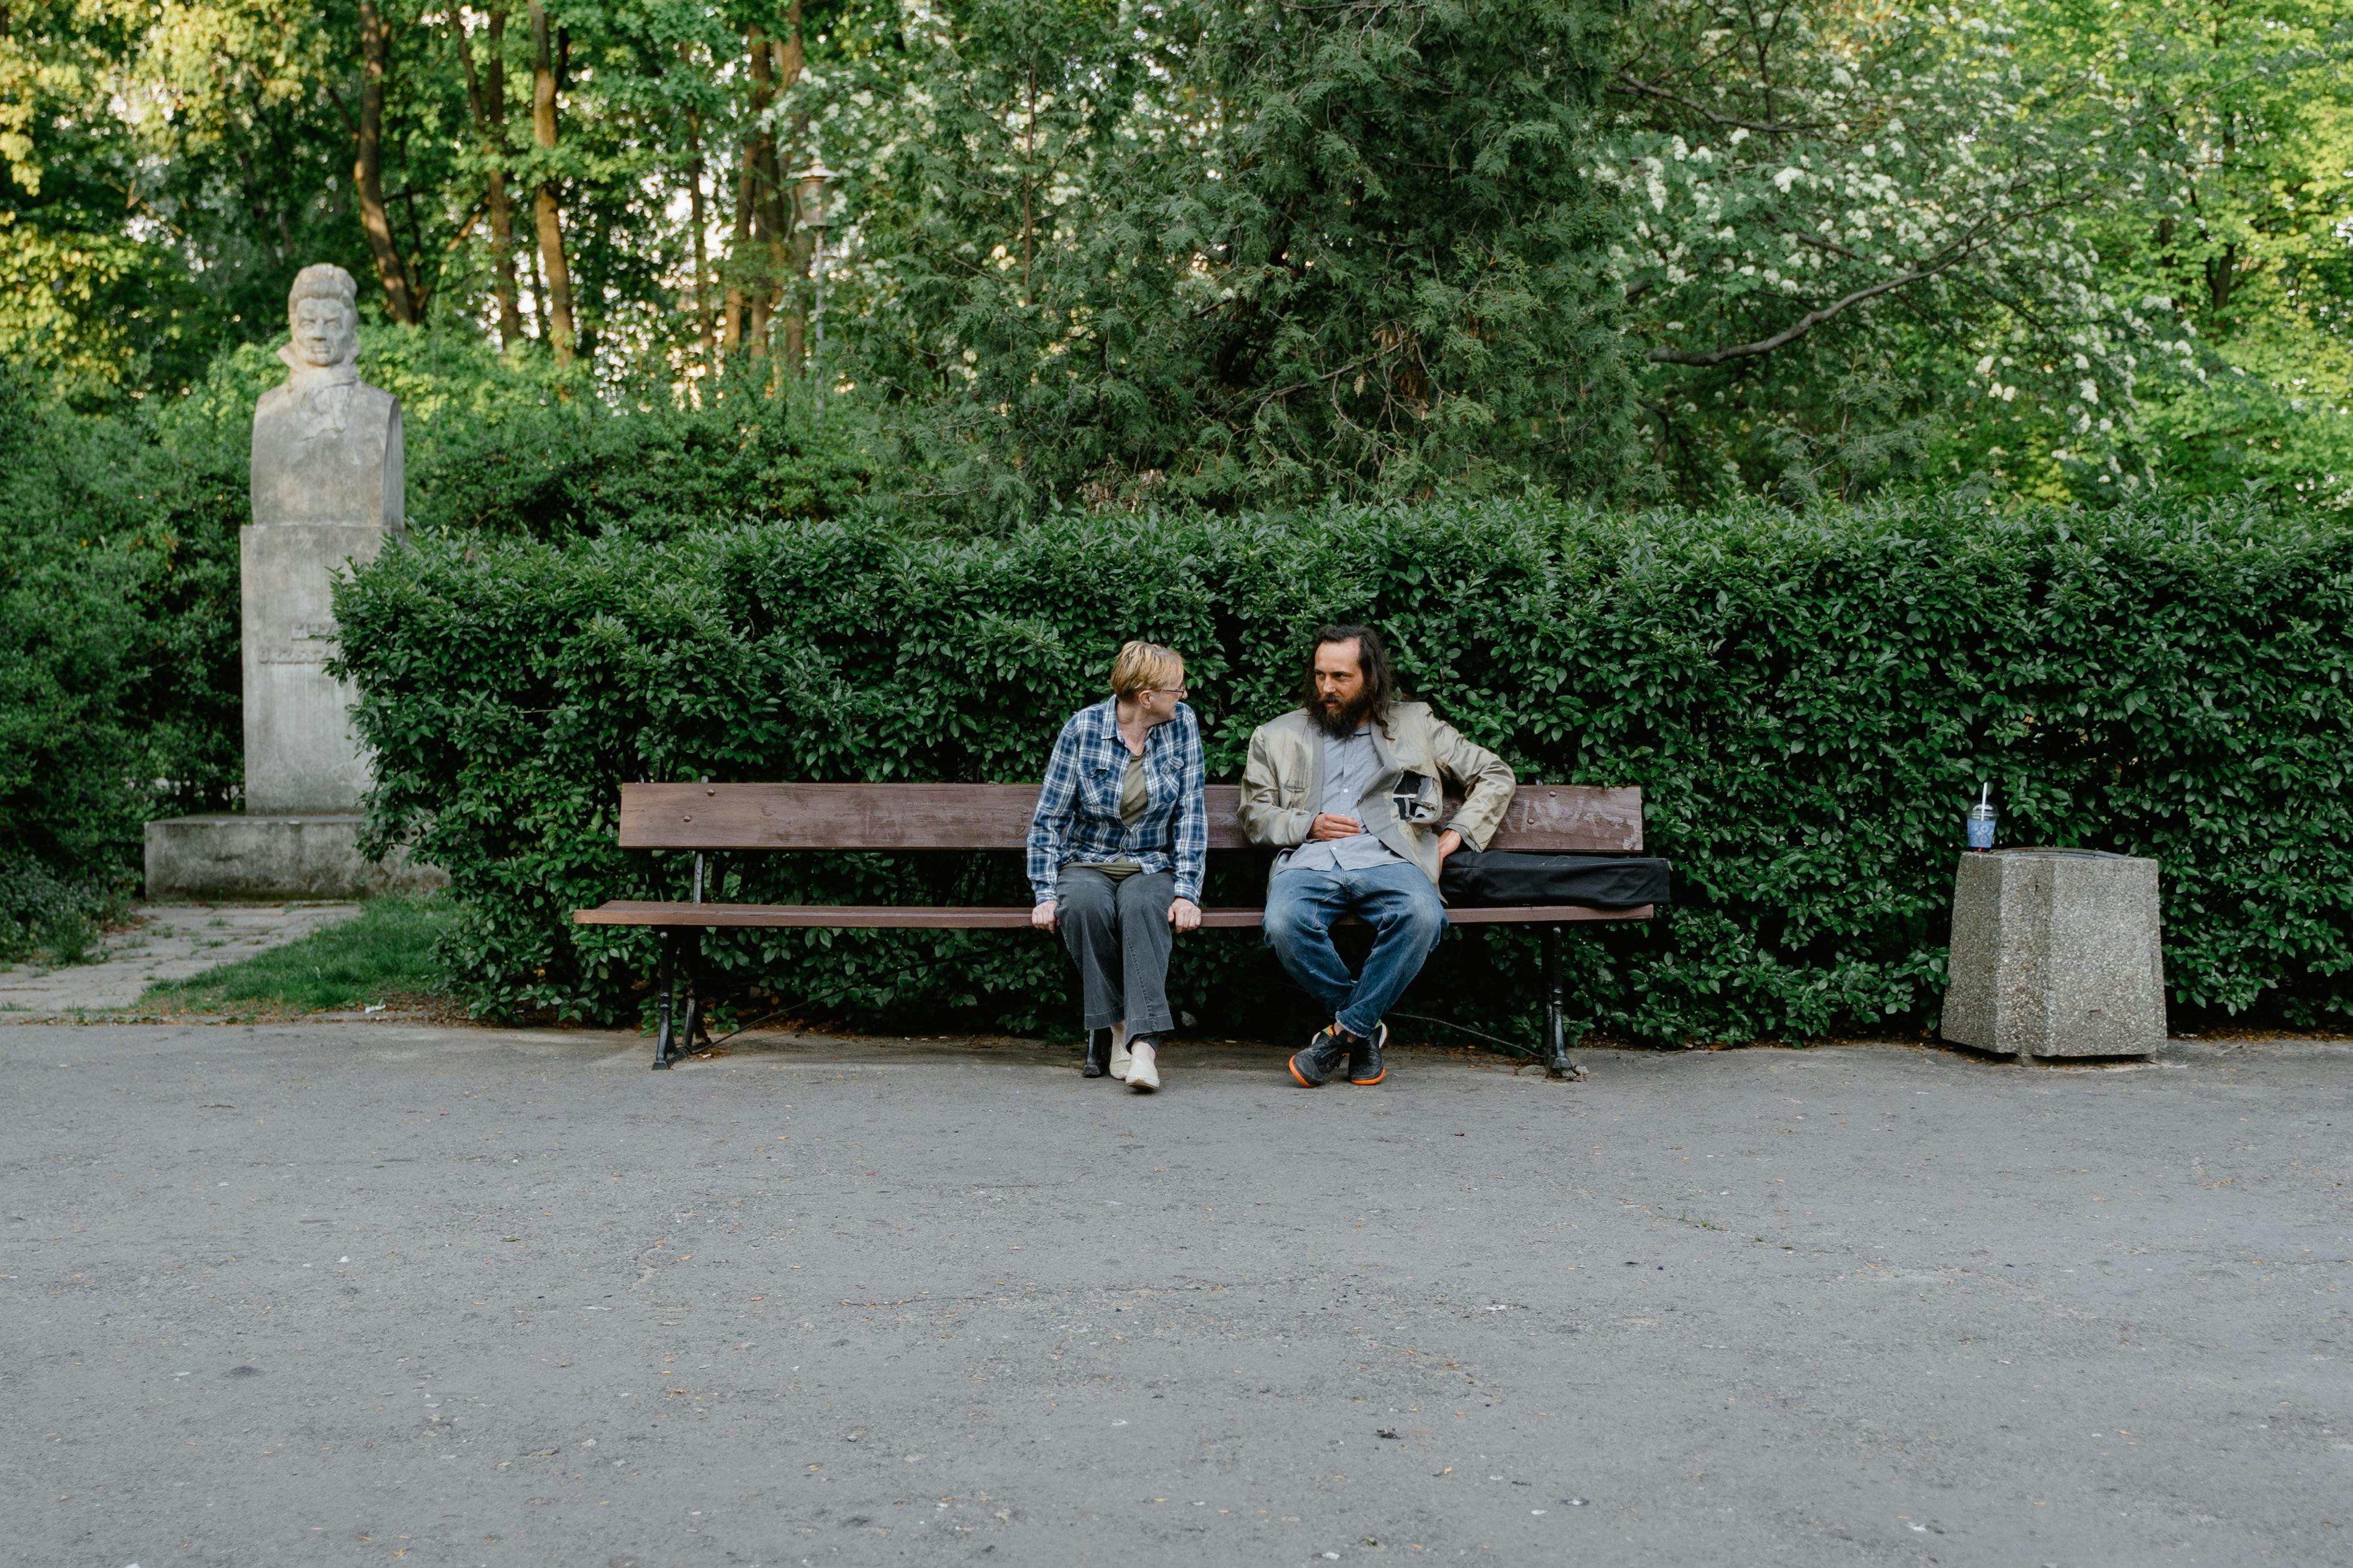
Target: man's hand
x=1329 y=826
x=1042 y=917
x=1448 y=843
x=1185 y=915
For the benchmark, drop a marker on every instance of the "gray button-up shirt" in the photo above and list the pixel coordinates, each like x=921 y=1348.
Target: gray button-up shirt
x=1350 y=766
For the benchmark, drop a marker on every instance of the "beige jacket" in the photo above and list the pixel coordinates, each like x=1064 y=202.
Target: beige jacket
x=1282 y=783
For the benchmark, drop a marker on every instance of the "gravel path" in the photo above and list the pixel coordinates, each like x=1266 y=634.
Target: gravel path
x=357 y=1294
x=165 y=942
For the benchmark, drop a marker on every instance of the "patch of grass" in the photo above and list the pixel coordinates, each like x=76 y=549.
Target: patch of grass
x=386 y=951
x=72 y=938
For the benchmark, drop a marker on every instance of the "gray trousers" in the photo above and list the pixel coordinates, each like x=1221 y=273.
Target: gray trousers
x=1119 y=936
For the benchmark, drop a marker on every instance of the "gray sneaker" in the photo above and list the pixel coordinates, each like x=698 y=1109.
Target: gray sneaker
x=1326 y=1049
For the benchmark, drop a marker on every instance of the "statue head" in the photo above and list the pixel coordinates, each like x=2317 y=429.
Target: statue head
x=323 y=311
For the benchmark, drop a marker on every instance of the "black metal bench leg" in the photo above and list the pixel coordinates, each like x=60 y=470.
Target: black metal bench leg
x=690 y=978
x=666 y=945
x=1556 y=1024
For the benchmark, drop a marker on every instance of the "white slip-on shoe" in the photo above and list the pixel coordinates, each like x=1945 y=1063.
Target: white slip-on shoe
x=1143 y=1067
x=1120 y=1058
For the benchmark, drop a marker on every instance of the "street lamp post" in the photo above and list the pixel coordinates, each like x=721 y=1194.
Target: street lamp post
x=815 y=185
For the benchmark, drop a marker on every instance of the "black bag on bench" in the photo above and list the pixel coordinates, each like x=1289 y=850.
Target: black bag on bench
x=1475 y=878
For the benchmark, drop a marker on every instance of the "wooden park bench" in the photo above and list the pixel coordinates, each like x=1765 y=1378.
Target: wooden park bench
x=715 y=817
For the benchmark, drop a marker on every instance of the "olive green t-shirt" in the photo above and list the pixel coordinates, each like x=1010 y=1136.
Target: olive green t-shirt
x=1133 y=799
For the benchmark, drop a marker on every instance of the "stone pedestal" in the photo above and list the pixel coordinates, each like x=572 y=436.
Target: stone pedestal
x=244 y=854
x=327 y=488
x=300 y=753
x=2056 y=953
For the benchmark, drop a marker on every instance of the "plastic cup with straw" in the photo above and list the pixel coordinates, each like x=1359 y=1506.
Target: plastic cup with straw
x=1981 y=820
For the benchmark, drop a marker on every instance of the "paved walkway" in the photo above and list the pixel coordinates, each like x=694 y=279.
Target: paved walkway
x=348 y=1293
x=165 y=942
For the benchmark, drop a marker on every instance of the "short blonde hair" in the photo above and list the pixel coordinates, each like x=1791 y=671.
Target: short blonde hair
x=1144 y=666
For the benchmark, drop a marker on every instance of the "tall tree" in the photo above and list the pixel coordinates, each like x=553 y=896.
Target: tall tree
x=759 y=192
x=546 y=209
x=698 y=290
x=794 y=250
x=769 y=258
x=1250 y=253
x=368 y=167
x=486 y=97
x=730 y=333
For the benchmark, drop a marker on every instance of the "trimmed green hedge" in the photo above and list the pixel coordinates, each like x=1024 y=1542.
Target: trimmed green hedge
x=1809 y=702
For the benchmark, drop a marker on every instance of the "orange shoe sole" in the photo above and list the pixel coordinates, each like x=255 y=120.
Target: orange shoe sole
x=1369 y=1082
x=1293 y=1065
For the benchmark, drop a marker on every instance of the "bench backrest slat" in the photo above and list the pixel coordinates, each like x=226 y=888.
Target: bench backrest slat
x=1570 y=818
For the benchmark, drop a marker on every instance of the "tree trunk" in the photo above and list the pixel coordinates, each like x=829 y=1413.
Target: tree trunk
x=1028 y=153
x=486 y=96
x=501 y=203
x=588 y=238
x=368 y=167
x=731 y=329
x=694 y=194
x=2222 y=278
x=794 y=258
x=760 y=160
x=702 y=223
x=539 y=327
x=546 y=212
x=798 y=255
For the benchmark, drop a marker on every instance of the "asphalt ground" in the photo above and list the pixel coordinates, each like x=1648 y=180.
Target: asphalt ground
x=371 y=1293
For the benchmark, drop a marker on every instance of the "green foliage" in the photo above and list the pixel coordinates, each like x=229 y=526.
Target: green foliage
x=2270 y=415
x=70 y=755
x=1242 y=252
x=2243 y=116
x=49 y=918
x=163 y=174
x=1810 y=703
x=386 y=950
x=1844 y=226
x=1237 y=253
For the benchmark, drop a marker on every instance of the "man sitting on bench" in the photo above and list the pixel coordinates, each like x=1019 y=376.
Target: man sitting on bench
x=1348 y=786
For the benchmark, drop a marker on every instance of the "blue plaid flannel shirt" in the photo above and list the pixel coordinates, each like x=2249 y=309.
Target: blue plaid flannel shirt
x=1077 y=807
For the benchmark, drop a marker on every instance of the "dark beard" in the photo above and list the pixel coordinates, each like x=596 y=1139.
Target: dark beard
x=1343 y=722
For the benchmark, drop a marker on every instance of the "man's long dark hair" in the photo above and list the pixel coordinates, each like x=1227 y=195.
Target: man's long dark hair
x=1371 y=658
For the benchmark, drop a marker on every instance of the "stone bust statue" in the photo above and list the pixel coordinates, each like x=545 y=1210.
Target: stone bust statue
x=326 y=445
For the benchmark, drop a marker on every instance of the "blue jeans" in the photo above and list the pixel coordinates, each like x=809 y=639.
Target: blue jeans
x=1397 y=900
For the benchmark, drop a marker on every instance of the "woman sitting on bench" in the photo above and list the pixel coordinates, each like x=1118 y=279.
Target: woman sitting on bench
x=1116 y=850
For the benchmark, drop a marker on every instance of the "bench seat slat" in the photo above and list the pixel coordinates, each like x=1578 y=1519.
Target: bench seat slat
x=920 y=917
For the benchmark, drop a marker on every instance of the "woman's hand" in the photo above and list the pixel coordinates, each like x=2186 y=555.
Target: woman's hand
x=1185 y=915
x=1042 y=917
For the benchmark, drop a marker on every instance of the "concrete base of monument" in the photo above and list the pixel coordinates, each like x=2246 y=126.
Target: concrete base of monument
x=279 y=855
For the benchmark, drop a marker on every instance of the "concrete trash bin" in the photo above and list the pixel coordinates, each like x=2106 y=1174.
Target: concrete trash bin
x=2056 y=953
